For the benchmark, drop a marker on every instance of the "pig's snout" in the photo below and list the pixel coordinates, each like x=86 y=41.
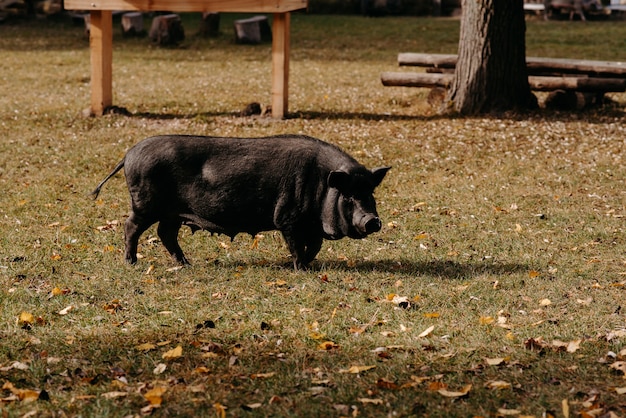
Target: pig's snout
x=373 y=225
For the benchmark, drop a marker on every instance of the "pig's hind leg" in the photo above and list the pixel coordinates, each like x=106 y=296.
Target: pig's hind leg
x=133 y=228
x=168 y=232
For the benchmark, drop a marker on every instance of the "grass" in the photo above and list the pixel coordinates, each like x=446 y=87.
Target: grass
x=504 y=234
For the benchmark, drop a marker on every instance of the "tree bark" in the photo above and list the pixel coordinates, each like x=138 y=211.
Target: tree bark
x=491 y=73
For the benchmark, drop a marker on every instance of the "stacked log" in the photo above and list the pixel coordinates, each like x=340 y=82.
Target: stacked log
x=253 y=30
x=167 y=30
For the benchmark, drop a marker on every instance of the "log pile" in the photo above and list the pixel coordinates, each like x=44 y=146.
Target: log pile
x=545 y=74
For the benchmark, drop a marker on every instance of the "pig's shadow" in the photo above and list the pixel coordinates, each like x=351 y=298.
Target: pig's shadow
x=442 y=269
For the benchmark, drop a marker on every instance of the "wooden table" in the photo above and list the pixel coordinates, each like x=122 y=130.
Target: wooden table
x=101 y=39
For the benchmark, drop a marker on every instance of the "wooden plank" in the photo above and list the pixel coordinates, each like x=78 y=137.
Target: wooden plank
x=280 y=64
x=243 y=6
x=537 y=83
x=536 y=65
x=101 y=47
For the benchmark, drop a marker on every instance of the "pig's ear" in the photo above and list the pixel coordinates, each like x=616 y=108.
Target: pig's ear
x=339 y=180
x=379 y=174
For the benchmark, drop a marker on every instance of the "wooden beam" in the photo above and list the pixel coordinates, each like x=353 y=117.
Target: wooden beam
x=535 y=65
x=537 y=83
x=101 y=47
x=244 y=6
x=280 y=64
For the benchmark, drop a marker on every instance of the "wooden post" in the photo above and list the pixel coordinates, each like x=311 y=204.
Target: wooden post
x=280 y=64
x=101 y=46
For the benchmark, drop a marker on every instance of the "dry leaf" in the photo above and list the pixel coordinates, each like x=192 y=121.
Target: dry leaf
x=426 y=332
x=619 y=365
x=327 y=345
x=431 y=315
x=508 y=412
x=486 y=320
x=262 y=375
x=114 y=394
x=371 y=401
x=155 y=395
x=498 y=384
x=173 y=353
x=160 y=368
x=66 y=310
x=357 y=369
x=545 y=302
x=220 y=410
x=25 y=319
x=448 y=394
x=565 y=408
x=145 y=347
x=533 y=273
x=495 y=361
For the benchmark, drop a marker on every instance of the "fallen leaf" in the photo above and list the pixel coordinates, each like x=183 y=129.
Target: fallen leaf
x=155 y=395
x=114 y=394
x=386 y=384
x=25 y=319
x=327 y=345
x=565 y=408
x=371 y=401
x=251 y=406
x=619 y=365
x=431 y=315
x=486 y=320
x=426 y=332
x=262 y=375
x=160 y=368
x=220 y=410
x=145 y=347
x=545 y=302
x=533 y=273
x=173 y=353
x=66 y=310
x=508 y=412
x=449 y=394
x=357 y=369
x=498 y=384
x=495 y=361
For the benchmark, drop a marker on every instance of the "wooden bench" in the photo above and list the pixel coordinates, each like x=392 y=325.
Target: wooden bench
x=101 y=39
x=544 y=74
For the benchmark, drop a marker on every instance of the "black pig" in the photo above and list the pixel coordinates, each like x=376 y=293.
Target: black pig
x=303 y=187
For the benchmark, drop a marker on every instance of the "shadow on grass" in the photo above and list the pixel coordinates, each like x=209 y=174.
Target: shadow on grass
x=591 y=115
x=439 y=269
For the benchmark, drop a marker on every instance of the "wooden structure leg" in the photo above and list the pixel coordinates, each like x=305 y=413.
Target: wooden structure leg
x=101 y=47
x=280 y=64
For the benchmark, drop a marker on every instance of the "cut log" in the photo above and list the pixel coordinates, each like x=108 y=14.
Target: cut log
x=210 y=25
x=132 y=24
x=253 y=30
x=535 y=65
x=167 y=30
x=537 y=83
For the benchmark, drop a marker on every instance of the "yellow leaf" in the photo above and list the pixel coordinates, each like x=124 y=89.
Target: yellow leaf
x=25 y=319
x=56 y=292
x=357 y=369
x=201 y=369
x=220 y=410
x=448 y=394
x=565 y=407
x=356 y=330
x=431 y=315
x=426 y=332
x=173 y=353
x=146 y=347
x=262 y=375
x=486 y=320
x=327 y=345
x=533 y=274
x=545 y=302
x=155 y=395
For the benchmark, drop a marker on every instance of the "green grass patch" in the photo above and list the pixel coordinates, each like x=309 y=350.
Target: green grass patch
x=502 y=237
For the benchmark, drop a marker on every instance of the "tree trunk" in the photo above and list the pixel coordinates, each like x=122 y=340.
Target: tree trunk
x=491 y=73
